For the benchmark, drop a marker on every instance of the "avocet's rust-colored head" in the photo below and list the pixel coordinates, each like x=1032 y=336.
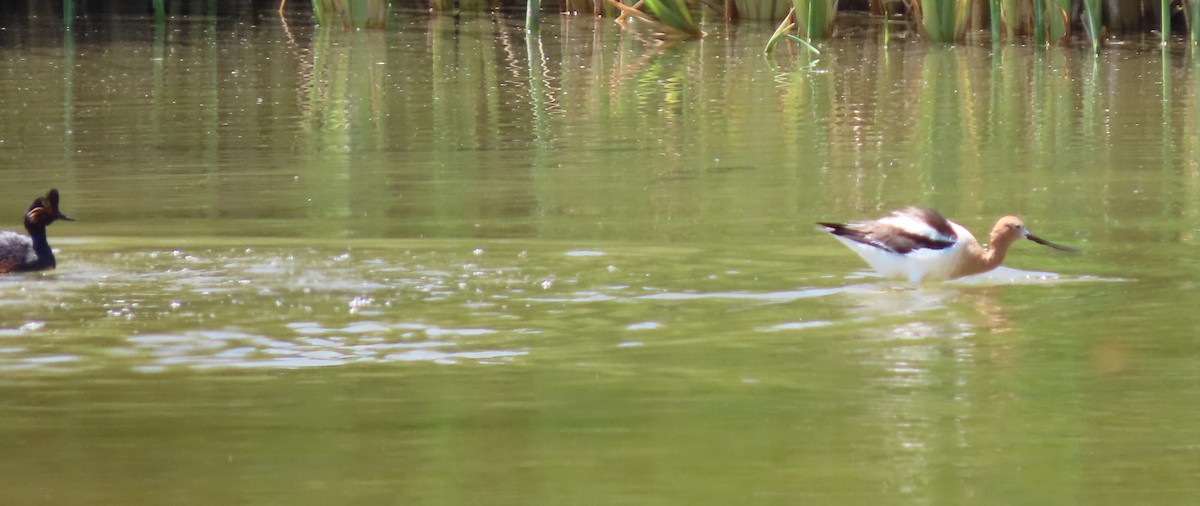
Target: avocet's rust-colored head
x=1011 y=229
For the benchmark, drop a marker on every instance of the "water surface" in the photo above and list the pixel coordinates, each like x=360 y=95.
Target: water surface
x=448 y=264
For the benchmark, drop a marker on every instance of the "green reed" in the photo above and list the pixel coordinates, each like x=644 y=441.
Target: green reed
x=671 y=18
x=784 y=31
x=1059 y=20
x=1191 y=13
x=533 y=14
x=589 y=7
x=1164 y=25
x=814 y=18
x=1004 y=16
x=356 y=14
x=1045 y=20
x=781 y=32
x=944 y=20
x=675 y=15
x=462 y=5
x=757 y=10
x=994 y=13
x=1039 y=22
x=1091 y=22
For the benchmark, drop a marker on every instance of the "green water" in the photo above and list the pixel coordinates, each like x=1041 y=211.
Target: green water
x=413 y=267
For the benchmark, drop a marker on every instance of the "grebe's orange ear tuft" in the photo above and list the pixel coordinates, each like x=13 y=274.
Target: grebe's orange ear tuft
x=44 y=210
x=38 y=215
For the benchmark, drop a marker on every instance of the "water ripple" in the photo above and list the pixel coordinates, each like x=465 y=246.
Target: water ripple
x=307 y=307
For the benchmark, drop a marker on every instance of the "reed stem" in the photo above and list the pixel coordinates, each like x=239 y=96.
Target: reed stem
x=1164 y=20
x=532 y=19
x=944 y=20
x=1193 y=20
x=781 y=31
x=356 y=14
x=994 y=17
x=68 y=13
x=1091 y=22
x=675 y=14
x=1039 y=22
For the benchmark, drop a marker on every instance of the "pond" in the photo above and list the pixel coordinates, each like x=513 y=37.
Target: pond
x=452 y=264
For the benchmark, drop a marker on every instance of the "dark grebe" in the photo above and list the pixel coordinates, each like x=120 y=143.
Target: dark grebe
x=19 y=253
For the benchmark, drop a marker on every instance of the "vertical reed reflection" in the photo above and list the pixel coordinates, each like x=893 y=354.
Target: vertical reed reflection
x=399 y=120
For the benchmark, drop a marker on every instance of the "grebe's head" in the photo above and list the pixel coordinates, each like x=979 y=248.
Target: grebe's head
x=44 y=211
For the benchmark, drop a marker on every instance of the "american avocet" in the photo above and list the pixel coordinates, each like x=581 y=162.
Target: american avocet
x=922 y=245
x=20 y=253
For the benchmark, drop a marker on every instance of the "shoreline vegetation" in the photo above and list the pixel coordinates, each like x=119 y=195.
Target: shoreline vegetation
x=806 y=22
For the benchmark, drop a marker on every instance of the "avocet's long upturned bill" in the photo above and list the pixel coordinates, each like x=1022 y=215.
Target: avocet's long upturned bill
x=19 y=253
x=922 y=245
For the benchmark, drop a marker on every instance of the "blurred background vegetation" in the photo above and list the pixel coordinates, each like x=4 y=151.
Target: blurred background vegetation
x=1039 y=21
